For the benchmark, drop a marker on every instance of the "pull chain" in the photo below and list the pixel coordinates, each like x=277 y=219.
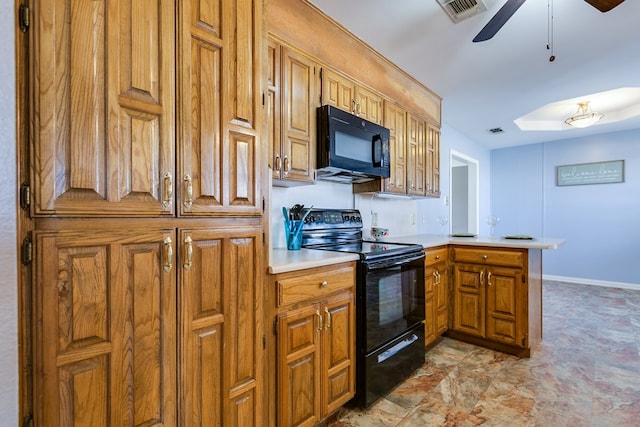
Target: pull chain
x=550 y=28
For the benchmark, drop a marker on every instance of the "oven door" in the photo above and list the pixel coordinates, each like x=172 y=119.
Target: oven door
x=392 y=298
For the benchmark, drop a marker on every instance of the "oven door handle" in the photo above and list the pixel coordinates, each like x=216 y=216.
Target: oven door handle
x=393 y=262
x=396 y=348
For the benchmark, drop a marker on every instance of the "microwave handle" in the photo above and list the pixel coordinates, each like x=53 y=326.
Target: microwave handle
x=376 y=151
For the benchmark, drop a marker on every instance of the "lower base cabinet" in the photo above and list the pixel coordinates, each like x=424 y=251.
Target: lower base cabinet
x=436 y=293
x=497 y=298
x=314 y=344
x=154 y=326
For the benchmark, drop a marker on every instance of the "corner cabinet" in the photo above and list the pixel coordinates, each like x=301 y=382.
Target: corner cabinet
x=497 y=298
x=436 y=293
x=314 y=349
x=292 y=99
x=146 y=213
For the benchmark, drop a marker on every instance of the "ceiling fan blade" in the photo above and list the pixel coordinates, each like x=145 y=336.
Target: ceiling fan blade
x=498 y=20
x=604 y=5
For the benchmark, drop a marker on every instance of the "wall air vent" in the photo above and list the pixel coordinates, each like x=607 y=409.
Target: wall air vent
x=459 y=10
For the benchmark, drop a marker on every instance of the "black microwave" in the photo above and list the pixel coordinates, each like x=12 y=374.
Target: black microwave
x=349 y=148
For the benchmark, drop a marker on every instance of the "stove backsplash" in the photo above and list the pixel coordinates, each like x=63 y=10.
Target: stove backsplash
x=398 y=215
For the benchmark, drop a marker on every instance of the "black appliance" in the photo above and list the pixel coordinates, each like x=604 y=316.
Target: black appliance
x=350 y=149
x=390 y=300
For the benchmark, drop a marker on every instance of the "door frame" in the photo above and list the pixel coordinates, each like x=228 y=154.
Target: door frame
x=457 y=159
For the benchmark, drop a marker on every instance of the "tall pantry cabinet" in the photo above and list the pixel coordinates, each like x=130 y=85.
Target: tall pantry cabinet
x=145 y=213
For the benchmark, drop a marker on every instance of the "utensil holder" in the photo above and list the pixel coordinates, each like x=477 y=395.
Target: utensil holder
x=293 y=234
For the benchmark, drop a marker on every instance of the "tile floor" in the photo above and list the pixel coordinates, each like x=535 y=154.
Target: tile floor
x=586 y=372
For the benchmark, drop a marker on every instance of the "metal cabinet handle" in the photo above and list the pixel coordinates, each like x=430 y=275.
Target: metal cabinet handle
x=286 y=165
x=189 y=200
x=437 y=278
x=320 y=322
x=324 y=284
x=168 y=190
x=278 y=163
x=328 y=313
x=489 y=278
x=168 y=254
x=482 y=278
x=188 y=248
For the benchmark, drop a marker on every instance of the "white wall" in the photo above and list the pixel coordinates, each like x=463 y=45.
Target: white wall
x=8 y=260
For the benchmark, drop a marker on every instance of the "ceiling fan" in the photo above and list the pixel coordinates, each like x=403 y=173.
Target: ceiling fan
x=510 y=7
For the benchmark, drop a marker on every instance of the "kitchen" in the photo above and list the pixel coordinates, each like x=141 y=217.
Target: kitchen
x=613 y=239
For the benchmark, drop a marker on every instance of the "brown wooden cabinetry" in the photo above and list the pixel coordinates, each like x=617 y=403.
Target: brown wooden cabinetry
x=497 y=297
x=221 y=348
x=105 y=345
x=433 y=161
x=146 y=212
x=436 y=293
x=344 y=93
x=292 y=88
x=315 y=352
x=416 y=156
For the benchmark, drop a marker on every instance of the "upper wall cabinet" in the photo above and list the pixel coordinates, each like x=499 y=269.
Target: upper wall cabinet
x=103 y=102
x=292 y=99
x=433 y=161
x=342 y=92
x=220 y=112
x=415 y=156
x=107 y=101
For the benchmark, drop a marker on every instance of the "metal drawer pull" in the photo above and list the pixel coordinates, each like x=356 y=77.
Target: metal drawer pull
x=324 y=284
x=485 y=256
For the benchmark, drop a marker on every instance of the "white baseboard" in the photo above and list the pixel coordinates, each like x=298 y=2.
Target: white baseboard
x=603 y=283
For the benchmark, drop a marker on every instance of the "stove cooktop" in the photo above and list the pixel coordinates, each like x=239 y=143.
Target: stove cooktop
x=370 y=250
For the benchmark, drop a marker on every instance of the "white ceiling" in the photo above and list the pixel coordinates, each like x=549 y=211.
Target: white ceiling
x=490 y=84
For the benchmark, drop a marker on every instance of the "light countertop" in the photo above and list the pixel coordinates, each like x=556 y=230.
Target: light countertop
x=283 y=260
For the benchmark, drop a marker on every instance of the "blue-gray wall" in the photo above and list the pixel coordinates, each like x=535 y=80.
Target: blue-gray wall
x=600 y=222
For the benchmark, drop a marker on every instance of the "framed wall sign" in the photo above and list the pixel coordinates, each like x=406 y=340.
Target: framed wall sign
x=590 y=173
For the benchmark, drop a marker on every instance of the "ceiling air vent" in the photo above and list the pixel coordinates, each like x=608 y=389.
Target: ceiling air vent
x=459 y=10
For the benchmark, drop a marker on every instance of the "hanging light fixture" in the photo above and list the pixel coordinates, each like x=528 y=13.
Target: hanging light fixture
x=584 y=117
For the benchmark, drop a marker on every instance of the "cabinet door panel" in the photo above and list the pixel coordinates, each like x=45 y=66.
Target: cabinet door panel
x=220 y=323
x=337 y=91
x=441 y=300
x=469 y=299
x=430 y=278
x=299 y=366
x=107 y=309
x=338 y=352
x=103 y=114
x=219 y=170
x=298 y=116
x=395 y=119
x=503 y=304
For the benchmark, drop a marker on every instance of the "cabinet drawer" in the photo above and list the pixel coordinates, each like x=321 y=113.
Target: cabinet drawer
x=434 y=256
x=309 y=284
x=489 y=256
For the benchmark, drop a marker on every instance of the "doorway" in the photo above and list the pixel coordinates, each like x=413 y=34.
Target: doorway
x=464 y=194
